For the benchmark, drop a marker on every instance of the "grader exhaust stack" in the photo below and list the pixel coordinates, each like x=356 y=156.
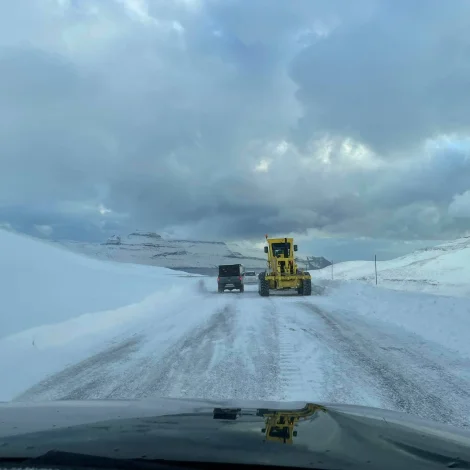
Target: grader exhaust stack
x=282 y=272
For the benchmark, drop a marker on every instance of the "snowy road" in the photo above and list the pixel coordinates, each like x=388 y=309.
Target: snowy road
x=286 y=348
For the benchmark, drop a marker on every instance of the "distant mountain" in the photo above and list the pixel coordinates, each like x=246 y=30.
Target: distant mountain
x=316 y=262
x=150 y=248
x=194 y=256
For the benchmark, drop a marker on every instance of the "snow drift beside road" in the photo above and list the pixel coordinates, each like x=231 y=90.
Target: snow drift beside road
x=438 y=319
x=443 y=269
x=31 y=355
x=43 y=284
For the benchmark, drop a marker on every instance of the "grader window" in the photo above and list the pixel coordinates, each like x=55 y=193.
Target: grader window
x=279 y=249
x=279 y=432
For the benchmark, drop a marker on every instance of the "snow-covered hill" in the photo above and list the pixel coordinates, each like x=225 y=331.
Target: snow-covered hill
x=192 y=256
x=43 y=284
x=441 y=269
x=151 y=249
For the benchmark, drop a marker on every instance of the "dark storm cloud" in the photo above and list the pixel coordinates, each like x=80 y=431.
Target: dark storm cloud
x=391 y=81
x=209 y=117
x=55 y=224
x=436 y=178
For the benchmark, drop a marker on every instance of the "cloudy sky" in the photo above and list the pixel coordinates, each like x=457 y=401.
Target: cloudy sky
x=229 y=119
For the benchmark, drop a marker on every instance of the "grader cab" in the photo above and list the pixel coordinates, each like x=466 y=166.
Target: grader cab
x=282 y=272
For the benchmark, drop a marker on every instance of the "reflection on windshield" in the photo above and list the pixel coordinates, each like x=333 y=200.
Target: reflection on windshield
x=280 y=424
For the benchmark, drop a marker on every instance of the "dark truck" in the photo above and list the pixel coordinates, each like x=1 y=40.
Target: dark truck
x=231 y=276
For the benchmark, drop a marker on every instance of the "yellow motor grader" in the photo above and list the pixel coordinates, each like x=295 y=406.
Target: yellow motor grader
x=283 y=272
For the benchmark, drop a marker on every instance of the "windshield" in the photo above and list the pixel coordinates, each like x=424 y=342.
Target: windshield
x=234 y=270
x=281 y=249
x=156 y=155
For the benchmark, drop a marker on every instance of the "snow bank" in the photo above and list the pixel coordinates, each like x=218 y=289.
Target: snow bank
x=440 y=319
x=443 y=269
x=43 y=284
x=31 y=355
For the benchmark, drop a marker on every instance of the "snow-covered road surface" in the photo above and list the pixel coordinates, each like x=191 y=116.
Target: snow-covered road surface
x=282 y=348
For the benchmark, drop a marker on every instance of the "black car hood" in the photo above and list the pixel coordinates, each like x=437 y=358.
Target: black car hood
x=326 y=436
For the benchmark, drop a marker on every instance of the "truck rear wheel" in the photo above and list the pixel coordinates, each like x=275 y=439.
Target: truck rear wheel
x=263 y=285
x=242 y=289
x=307 y=287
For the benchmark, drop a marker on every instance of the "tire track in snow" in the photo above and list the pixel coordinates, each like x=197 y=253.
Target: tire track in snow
x=404 y=378
x=90 y=378
x=311 y=369
x=234 y=353
x=178 y=370
x=294 y=384
x=228 y=358
x=119 y=371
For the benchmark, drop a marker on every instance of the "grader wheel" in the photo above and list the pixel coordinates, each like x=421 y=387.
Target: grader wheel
x=307 y=287
x=263 y=285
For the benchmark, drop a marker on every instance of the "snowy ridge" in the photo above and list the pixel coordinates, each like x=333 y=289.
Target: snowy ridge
x=193 y=256
x=441 y=269
x=150 y=248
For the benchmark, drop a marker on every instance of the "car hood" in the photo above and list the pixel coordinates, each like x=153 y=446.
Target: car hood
x=251 y=432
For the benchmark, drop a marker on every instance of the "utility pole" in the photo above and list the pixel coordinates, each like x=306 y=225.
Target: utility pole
x=375 y=262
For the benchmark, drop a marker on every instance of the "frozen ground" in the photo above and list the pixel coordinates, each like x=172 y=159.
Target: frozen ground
x=355 y=344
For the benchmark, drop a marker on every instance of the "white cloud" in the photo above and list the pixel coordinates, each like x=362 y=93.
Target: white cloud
x=263 y=165
x=460 y=205
x=46 y=230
